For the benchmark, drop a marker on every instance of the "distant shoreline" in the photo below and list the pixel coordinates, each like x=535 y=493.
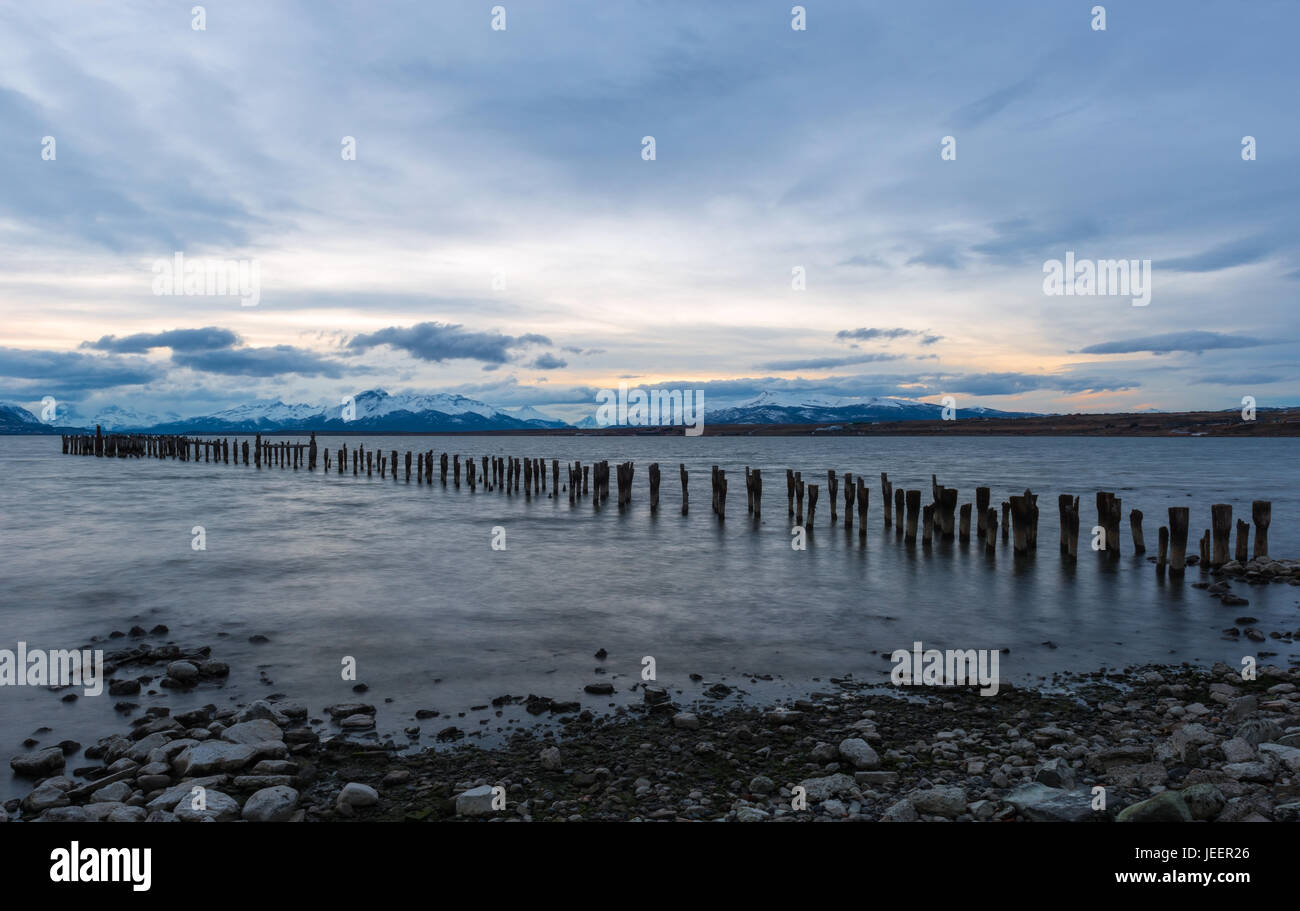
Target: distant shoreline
x=1280 y=423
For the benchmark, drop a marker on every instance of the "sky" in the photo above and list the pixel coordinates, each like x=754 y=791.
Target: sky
x=502 y=233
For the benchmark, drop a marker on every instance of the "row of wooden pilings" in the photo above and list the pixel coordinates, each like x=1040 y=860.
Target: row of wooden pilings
x=904 y=511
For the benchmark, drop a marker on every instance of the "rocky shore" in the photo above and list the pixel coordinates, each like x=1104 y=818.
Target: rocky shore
x=1153 y=743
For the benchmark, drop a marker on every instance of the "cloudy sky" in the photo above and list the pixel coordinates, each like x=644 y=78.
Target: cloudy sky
x=501 y=233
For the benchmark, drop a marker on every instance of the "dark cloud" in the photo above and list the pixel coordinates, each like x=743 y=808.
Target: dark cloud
x=272 y=361
x=64 y=371
x=866 y=334
x=1195 y=341
x=440 y=342
x=819 y=363
x=204 y=339
x=548 y=361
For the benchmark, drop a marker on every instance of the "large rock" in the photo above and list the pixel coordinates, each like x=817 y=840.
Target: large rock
x=39 y=764
x=902 y=811
x=167 y=799
x=474 y=802
x=252 y=732
x=550 y=758
x=213 y=756
x=1167 y=806
x=46 y=797
x=1204 y=800
x=116 y=792
x=827 y=786
x=275 y=804
x=355 y=794
x=947 y=802
x=859 y=752
x=1039 y=803
x=1288 y=756
x=183 y=672
x=216 y=807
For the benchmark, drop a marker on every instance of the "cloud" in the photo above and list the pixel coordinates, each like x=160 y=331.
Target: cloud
x=176 y=339
x=820 y=363
x=1195 y=341
x=866 y=334
x=943 y=256
x=64 y=371
x=440 y=342
x=548 y=361
x=1224 y=256
x=271 y=361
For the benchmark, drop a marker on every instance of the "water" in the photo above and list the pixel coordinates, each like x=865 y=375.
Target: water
x=403 y=578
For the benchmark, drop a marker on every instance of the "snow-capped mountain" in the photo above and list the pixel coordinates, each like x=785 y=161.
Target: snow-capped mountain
x=17 y=419
x=114 y=417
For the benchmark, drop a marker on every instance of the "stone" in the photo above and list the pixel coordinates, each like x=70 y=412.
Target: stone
x=355 y=794
x=216 y=807
x=127 y=814
x=275 y=804
x=169 y=797
x=948 y=802
x=213 y=756
x=39 y=764
x=1039 y=803
x=46 y=797
x=1288 y=756
x=1057 y=773
x=183 y=672
x=252 y=732
x=902 y=811
x=1204 y=800
x=65 y=814
x=819 y=789
x=752 y=814
x=1167 y=806
x=115 y=792
x=761 y=784
x=550 y=758
x=858 y=752
x=475 y=801
x=686 y=721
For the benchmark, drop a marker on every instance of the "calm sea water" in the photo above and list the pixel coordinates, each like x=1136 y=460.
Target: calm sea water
x=403 y=578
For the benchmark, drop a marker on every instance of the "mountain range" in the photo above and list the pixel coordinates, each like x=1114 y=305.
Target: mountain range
x=378 y=411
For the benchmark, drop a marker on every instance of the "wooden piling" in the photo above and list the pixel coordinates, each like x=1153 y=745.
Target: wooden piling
x=789 y=490
x=863 y=497
x=981 y=509
x=812 y=506
x=963 y=533
x=1243 y=541
x=927 y=524
x=991 y=530
x=1135 y=528
x=832 y=491
x=1261 y=513
x=654 y=487
x=1162 y=548
x=913 y=501
x=1179 y=519
x=1221 y=523
x=887 y=492
x=850 y=494
x=686 y=497
x=757 y=476
x=899 y=496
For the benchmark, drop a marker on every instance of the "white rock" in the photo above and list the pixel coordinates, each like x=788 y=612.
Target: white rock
x=474 y=802
x=859 y=752
x=250 y=732
x=217 y=807
x=355 y=794
x=213 y=756
x=275 y=804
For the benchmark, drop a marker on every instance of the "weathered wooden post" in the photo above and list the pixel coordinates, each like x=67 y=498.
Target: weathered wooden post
x=946 y=508
x=722 y=494
x=913 y=501
x=850 y=494
x=1179 y=519
x=963 y=533
x=311 y=453
x=1063 y=502
x=715 y=489
x=555 y=478
x=370 y=464
x=833 y=491
x=749 y=491
x=927 y=524
x=585 y=472
x=1243 y=542
x=864 y=493
x=789 y=490
x=981 y=510
x=1006 y=519
x=1135 y=526
x=991 y=530
x=1261 y=513
x=1020 y=520
x=1205 y=551
x=1162 y=549
x=1072 y=539
x=1221 y=522
x=681 y=467
x=899 y=496
x=471 y=475
x=758 y=493
x=887 y=492
x=654 y=487
x=812 y=506
x=798 y=499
